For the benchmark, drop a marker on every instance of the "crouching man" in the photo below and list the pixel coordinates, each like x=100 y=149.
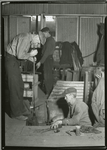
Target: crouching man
x=78 y=111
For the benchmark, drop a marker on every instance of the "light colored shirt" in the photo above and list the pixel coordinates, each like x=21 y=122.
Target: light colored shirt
x=20 y=45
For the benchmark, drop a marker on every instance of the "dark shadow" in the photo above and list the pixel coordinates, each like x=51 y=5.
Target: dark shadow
x=62 y=104
x=91 y=114
x=7 y=102
x=98 y=43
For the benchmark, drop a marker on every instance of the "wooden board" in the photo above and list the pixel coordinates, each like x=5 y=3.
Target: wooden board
x=60 y=86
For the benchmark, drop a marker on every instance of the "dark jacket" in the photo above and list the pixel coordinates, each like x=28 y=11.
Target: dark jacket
x=78 y=114
x=48 y=49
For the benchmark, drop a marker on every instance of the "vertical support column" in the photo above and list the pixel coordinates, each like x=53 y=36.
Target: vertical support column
x=35 y=85
x=35 y=89
x=43 y=22
x=76 y=75
x=37 y=24
x=68 y=76
x=85 y=99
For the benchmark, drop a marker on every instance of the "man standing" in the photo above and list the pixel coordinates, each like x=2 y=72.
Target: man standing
x=78 y=111
x=18 y=50
x=47 y=59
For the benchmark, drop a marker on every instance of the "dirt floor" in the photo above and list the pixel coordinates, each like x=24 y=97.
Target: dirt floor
x=18 y=134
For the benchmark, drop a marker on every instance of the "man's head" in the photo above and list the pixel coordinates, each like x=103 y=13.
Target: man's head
x=46 y=32
x=70 y=95
x=35 y=42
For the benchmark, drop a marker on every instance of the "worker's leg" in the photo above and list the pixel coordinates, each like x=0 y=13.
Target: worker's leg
x=48 y=75
x=16 y=86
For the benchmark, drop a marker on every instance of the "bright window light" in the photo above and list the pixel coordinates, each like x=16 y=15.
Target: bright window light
x=48 y=18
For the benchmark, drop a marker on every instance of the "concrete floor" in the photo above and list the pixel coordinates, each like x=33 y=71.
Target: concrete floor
x=18 y=134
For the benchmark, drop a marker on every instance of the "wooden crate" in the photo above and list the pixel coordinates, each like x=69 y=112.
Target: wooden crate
x=27 y=77
x=30 y=86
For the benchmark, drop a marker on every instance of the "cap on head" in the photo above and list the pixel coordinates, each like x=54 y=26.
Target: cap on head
x=69 y=90
x=46 y=29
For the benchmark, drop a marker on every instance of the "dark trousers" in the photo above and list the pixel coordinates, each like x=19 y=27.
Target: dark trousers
x=48 y=74
x=15 y=85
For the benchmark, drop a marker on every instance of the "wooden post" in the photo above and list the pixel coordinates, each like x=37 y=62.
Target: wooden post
x=85 y=99
x=43 y=22
x=35 y=86
x=68 y=76
x=35 y=90
x=76 y=75
x=37 y=24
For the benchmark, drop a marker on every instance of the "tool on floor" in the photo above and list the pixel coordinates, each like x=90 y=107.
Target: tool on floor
x=49 y=129
x=70 y=132
x=86 y=129
x=46 y=130
x=76 y=131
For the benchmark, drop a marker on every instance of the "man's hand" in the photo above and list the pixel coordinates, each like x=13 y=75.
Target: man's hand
x=56 y=124
x=32 y=59
x=33 y=53
x=38 y=65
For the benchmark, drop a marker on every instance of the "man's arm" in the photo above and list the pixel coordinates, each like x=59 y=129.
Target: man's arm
x=75 y=119
x=22 y=50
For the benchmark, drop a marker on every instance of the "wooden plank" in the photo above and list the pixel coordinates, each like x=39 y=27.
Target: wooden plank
x=35 y=89
x=67 y=82
x=71 y=84
x=61 y=90
x=62 y=85
x=86 y=87
x=55 y=94
x=55 y=99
